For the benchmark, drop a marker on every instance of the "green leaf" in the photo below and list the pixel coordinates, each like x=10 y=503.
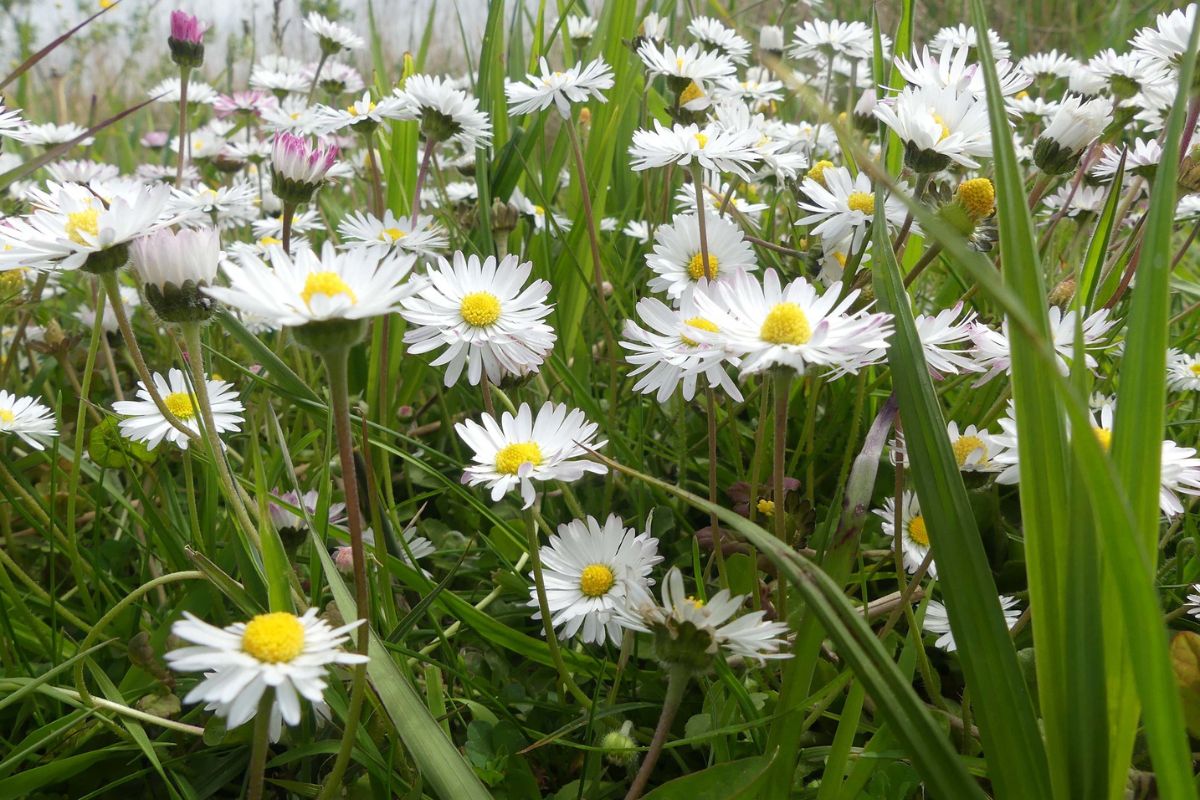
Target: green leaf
x=730 y=780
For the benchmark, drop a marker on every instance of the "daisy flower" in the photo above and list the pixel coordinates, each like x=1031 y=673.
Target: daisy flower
x=581 y=29
x=280 y=82
x=914 y=536
x=363 y=115
x=81 y=171
x=589 y=571
x=446 y=113
x=950 y=69
x=992 y=350
x=677 y=260
x=948 y=327
x=1075 y=125
x=749 y=636
x=284 y=519
x=938 y=126
x=712 y=33
x=1183 y=371
x=425 y=238
x=306 y=288
x=26 y=418
x=298 y=166
x=712 y=147
x=1167 y=42
x=561 y=89
x=334 y=37
x=225 y=207
x=12 y=126
x=516 y=450
x=337 y=78
x=168 y=92
x=489 y=321
x=842 y=208
x=770 y=40
x=283 y=652
x=677 y=346
x=1180 y=475
x=682 y=66
x=792 y=326
x=1141 y=159
x=173 y=266
x=145 y=423
x=818 y=38
x=244 y=102
x=964 y=36
x=937 y=621
x=48 y=134
x=1049 y=65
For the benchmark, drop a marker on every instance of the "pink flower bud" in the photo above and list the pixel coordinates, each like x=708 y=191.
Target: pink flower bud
x=186 y=28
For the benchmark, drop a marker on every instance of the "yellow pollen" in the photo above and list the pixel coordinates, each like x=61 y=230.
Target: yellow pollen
x=766 y=507
x=862 y=201
x=1022 y=95
x=964 y=446
x=329 y=284
x=702 y=324
x=690 y=92
x=354 y=112
x=511 y=457
x=267 y=241
x=785 y=324
x=840 y=258
x=817 y=172
x=695 y=266
x=392 y=234
x=945 y=131
x=596 y=580
x=480 y=309
x=107 y=3
x=180 y=404
x=978 y=197
x=917 y=532
x=6 y=416
x=275 y=638
x=1194 y=369
x=701 y=139
x=695 y=601
x=539 y=211
x=679 y=65
x=87 y=221
x=1104 y=437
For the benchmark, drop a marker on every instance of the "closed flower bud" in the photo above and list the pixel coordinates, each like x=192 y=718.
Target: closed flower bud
x=770 y=40
x=298 y=166
x=1075 y=125
x=186 y=40
x=619 y=746
x=173 y=267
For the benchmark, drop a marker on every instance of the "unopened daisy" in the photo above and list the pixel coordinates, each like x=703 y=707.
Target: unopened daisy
x=678 y=261
x=589 y=571
x=792 y=326
x=842 y=207
x=485 y=316
x=938 y=126
x=711 y=147
x=677 y=346
x=515 y=451
x=1141 y=159
x=173 y=267
x=26 y=418
x=580 y=30
x=446 y=113
x=425 y=237
x=684 y=65
x=713 y=34
x=574 y=85
x=948 y=327
x=914 y=536
x=937 y=621
x=1075 y=125
x=279 y=652
x=143 y=422
x=298 y=166
x=334 y=37
x=1183 y=371
x=823 y=39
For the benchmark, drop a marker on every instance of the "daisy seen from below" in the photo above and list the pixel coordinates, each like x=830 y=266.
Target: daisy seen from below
x=937 y=621
x=684 y=65
x=678 y=346
x=333 y=36
x=144 y=423
x=1183 y=371
x=938 y=127
x=1167 y=42
x=677 y=260
x=913 y=533
x=992 y=350
x=712 y=148
x=589 y=570
x=12 y=126
x=490 y=322
x=818 y=38
x=560 y=89
x=716 y=36
x=950 y=326
x=280 y=652
x=512 y=452
x=425 y=237
x=1075 y=125
x=793 y=326
x=965 y=36
x=27 y=418
x=446 y=113
x=842 y=207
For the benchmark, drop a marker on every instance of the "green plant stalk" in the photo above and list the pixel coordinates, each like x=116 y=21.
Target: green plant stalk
x=422 y=173
x=289 y=211
x=41 y=594
x=677 y=681
x=312 y=87
x=257 y=769
x=714 y=523
x=783 y=384
x=701 y=214
x=376 y=175
x=184 y=74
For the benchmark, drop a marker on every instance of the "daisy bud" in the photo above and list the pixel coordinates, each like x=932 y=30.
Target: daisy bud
x=580 y=30
x=155 y=140
x=1061 y=294
x=770 y=40
x=504 y=216
x=619 y=746
x=173 y=267
x=585 y=117
x=1189 y=171
x=186 y=40
x=12 y=285
x=1076 y=125
x=298 y=167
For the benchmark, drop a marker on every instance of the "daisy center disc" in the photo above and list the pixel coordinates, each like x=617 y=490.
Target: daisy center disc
x=701 y=139
x=978 y=197
x=510 y=459
x=917 y=531
x=937 y=118
x=964 y=446
x=392 y=234
x=267 y=241
x=596 y=580
x=1194 y=369
x=275 y=638
x=690 y=93
x=480 y=309
x=180 y=404
x=329 y=284
x=862 y=201
x=817 y=173
x=702 y=324
x=765 y=507
x=786 y=324
x=6 y=416
x=695 y=265
x=1104 y=437
x=86 y=221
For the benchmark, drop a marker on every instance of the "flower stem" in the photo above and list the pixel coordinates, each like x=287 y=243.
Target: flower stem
x=376 y=177
x=339 y=390
x=289 y=211
x=713 y=522
x=701 y=214
x=312 y=87
x=677 y=681
x=422 y=172
x=184 y=73
x=783 y=381
x=259 y=747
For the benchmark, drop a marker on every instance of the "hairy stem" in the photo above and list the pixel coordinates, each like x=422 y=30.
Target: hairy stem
x=677 y=681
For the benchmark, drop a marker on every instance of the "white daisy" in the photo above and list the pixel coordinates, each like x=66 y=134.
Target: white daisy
x=717 y=37
x=145 y=423
x=49 y=134
x=446 y=113
x=937 y=621
x=285 y=519
x=819 y=38
x=226 y=207
x=1049 y=65
x=793 y=326
x=938 y=126
x=81 y=170
x=589 y=571
x=172 y=266
x=27 y=418
x=515 y=451
x=489 y=321
x=712 y=147
x=1141 y=159
x=86 y=313
x=950 y=69
x=842 y=208
x=992 y=350
x=363 y=114
x=963 y=35
x=1167 y=42
x=914 y=536
x=678 y=262
x=685 y=65
x=168 y=92
x=581 y=29
x=948 y=327
x=12 y=126
x=336 y=78
x=1180 y=475
x=280 y=82
x=426 y=237
x=240 y=662
x=334 y=37
x=1075 y=125
x=1183 y=371
x=574 y=85
x=270 y=228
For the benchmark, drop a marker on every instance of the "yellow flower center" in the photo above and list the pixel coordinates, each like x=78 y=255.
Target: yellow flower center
x=180 y=404
x=596 y=580
x=392 y=234
x=766 y=507
x=679 y=65
x=978 y=197
x=862 y=201
x=695 y=601
x=917 y=531
x=539 y=211
x=817 y=172
x=964 y=446
x=702 y=324
x=354 y=112
x=480 y=309
x=86 y=221
x=691 y=92
x=696 y=265
x=275 y=638
x=329 y=284
x=1194 y=369
x=701 y=139
x=1104 y=437
x=945 y=130
x=510 y=459
x=6 y=416
x=1022 y=95
x=786 y=323
x=267 y=241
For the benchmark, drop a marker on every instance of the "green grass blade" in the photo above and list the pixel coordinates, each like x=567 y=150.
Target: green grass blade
x=1093 y=260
